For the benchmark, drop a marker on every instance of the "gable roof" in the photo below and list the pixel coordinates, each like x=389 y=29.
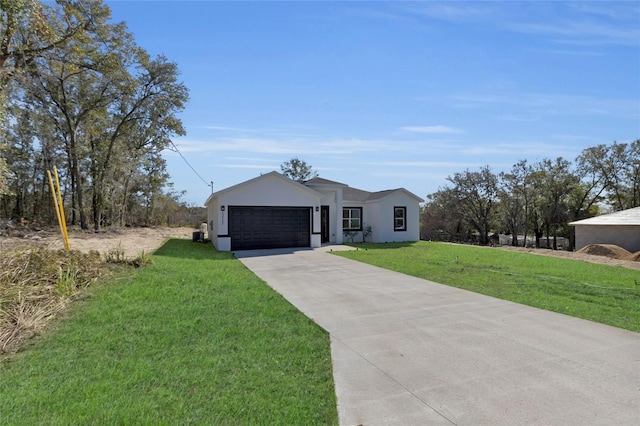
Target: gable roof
x=321 y=181
x=269 y=175
x=622 y=217
x=353 y=194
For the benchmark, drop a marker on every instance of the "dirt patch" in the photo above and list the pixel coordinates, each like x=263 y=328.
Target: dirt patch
x=608 y=250
x=635 y=257
x=132 y=241
x=135 y=240
x=585 y=257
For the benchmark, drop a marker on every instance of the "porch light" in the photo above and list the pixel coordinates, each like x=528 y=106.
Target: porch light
x=317 y=208
x=221 y=208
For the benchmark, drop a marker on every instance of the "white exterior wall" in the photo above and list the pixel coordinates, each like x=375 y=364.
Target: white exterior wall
x=333 y=198
x=379 y=215
x=270 y=191
x=625 y=236
x=365 y=215
x=383 y=229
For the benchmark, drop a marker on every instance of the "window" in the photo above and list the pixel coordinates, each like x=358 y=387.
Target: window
x=399 y=218
x=352 y=219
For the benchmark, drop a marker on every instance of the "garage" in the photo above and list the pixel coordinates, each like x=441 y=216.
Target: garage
x=269 y=227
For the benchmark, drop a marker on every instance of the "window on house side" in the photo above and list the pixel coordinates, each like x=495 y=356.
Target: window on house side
x=399 y=218
x=352 y=219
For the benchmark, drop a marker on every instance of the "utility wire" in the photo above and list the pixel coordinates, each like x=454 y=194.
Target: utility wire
x=188 y=164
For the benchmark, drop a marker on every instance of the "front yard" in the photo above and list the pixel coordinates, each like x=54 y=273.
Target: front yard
x=194 y=338
x=601 y=293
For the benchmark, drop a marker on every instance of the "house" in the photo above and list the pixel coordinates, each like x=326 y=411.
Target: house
x=621 y=228
x=273 y=211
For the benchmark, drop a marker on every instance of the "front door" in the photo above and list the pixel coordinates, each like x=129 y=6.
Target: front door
x=324 y=224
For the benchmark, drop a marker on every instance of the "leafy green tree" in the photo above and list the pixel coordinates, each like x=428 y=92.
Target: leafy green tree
x=31 y=28
x=108 y=101
x=475 y=195
x=437 y=222
x=557 y=182
x=298 y=170
x=4 y=172
x=91 y=96
x=516 y=199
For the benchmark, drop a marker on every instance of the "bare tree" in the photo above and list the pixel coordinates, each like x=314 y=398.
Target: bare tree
x=298 y=170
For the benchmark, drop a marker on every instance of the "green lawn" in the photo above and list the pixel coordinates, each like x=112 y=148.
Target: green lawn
x=606 y=294
x=194 y=338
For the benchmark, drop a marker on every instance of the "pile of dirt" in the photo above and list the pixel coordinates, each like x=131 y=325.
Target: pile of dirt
x=635 y=257
x=608 y=250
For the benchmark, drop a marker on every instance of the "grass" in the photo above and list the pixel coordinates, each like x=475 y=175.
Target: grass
x=194 y=338
x=601 y=293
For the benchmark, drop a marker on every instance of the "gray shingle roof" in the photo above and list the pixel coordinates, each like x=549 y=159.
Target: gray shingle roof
x=623 y=217
x=322 y=181
x=353 y=194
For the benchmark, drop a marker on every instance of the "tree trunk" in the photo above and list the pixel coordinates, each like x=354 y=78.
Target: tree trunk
x=79 y=191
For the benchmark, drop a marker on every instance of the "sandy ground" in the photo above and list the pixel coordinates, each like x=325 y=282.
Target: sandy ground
x=573 y=255
x=135 y=240
x=131 y=240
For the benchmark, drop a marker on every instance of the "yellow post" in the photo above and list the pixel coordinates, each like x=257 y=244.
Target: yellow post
x=61 y=207
x=57 y=202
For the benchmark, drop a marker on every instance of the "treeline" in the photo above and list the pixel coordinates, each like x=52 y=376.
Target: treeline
x=534 y=201
x=80 y=95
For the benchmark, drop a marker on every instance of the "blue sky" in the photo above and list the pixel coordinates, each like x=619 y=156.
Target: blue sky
x=381 y=95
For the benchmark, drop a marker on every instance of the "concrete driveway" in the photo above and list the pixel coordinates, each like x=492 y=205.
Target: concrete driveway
x=413 y=352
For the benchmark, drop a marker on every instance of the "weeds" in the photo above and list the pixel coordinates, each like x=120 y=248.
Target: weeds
x=67 y=280
x=117 y=256
x=36 y=284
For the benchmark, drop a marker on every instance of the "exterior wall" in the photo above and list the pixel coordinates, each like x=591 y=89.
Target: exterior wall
x=379 y=215
x=383 y=226
x=368 y=219
x=332 y=197
x=625 y=236
x=271 y=191
x=212 y=223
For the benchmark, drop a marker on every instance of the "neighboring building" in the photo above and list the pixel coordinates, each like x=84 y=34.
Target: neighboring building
x=273 y=211
x=620 y=228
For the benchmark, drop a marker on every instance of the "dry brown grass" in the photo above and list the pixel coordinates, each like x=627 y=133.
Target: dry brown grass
x=35 y=285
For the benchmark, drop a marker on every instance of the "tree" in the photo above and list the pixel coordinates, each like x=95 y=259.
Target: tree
x=4 y=173
x=30 y=28
x=298 y=170
x=437 y=222
x=475 y=194
x=108 y=101
x=93 y=103
x=516 y=199
x=557 y=182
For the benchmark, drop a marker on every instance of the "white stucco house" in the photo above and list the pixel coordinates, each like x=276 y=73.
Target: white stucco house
x=621 y=228
x=273 y=211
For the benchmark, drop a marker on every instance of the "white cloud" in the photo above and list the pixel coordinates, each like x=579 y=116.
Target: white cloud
x=247 y=166
x=462 y=12
x=431 y=129
x=582 y=32
x=286 y=146
x=542 y=104
x=429 y=164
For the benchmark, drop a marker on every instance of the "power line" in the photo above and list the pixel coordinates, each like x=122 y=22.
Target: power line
x=190 y=166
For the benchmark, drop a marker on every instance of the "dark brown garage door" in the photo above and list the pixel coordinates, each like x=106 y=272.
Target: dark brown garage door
x=269 y=227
